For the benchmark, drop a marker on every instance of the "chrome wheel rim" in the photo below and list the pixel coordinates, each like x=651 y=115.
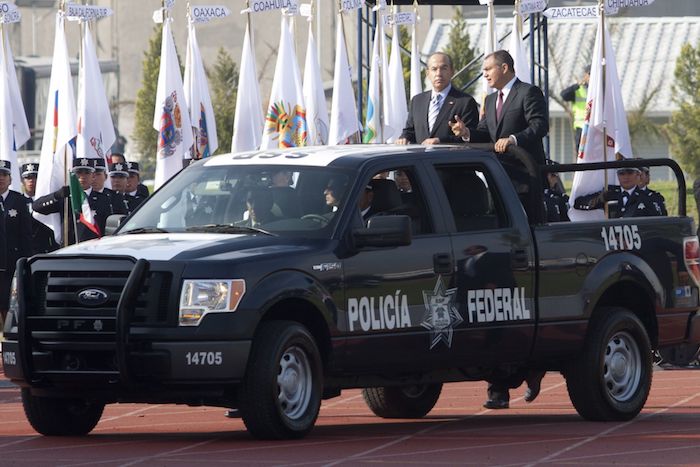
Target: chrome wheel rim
x=622 y=367
x=294 y=383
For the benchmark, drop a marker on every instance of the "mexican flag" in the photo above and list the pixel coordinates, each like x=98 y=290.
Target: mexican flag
x=81 y=207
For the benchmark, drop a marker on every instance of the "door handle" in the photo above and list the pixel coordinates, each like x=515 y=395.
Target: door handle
x=443 y=263
x=520 y=260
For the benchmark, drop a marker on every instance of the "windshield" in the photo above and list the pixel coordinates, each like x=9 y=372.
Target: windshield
x=269 y=200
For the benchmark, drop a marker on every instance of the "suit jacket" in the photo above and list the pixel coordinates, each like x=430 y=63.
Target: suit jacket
x=456 y=103
x=15 y=229
x=638 y=203
x=43 y=239
x=524 y=115
x=99 y=202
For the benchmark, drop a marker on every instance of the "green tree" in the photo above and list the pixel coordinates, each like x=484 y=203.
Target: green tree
x=642 y=129
x=223 y=80
x=460 y=50
x=145 y=137
x=684 y=128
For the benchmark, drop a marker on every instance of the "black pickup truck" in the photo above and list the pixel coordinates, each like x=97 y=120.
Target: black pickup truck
x=268 y=281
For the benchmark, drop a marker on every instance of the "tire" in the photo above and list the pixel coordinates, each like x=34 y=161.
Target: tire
x=280 y=395
x=611 y=379
x=61 y=417
x=680 y=355
x=414 y=401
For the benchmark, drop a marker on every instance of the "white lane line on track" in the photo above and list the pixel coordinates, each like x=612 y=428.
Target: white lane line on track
x=340 y=402
x=19 y=441
x=362 y=454
x=590 y=439
x=128 y=414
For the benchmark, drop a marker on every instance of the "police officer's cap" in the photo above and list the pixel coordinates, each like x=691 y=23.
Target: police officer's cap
x=83 y=164
x=133 y=167
x=5 y=166
x=118 y=169
x=99 y=164
x=29 y=169
x=623 y=170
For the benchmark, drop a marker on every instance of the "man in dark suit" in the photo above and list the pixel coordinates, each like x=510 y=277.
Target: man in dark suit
x=15 y=228
x=430 y=112
x=43 y=240
x=99 y=205
x=514 y=115
x=625 y=200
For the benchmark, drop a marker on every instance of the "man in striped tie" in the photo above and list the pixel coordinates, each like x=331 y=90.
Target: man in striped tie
x=431 y=112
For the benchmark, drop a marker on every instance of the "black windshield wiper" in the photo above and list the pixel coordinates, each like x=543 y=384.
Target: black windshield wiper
x=142 y=230
x=227 y=228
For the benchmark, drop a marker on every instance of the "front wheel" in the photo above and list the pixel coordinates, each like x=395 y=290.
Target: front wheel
x=611 y=379
x=281 y=393
x=61 y=417
x=412 y=401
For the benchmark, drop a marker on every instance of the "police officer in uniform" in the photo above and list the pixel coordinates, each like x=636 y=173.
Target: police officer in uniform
x=625 y=200
x=98 y=184
x=15 y=228
x=655 y=198
x=99 y=204
x=118 y=175
x=116 y=158
x=133 y=197
x=43 y=240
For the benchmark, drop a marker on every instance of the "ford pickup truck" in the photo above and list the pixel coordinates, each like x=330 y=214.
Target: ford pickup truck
x=269 y=281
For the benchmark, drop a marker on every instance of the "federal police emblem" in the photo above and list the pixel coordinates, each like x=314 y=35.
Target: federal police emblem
x=441 y=315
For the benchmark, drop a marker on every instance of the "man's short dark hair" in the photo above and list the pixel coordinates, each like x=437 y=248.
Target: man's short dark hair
x=501 y=57
x=447 y=58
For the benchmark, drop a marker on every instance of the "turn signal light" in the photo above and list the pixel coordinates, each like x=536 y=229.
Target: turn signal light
x=691 y=249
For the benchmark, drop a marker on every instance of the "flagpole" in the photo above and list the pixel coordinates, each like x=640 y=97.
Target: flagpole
x=605 y=123
x=342 y=27
x=66 y=200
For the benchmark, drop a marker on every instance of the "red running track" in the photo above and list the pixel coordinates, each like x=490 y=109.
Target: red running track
x=457 y=432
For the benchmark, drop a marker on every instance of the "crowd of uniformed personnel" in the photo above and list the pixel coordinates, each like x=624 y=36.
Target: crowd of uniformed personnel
x=17 y=223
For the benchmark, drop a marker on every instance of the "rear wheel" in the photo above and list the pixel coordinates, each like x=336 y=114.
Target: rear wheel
x=281 y=393
x=61 y=417
x=611 y=379
x=411 y=401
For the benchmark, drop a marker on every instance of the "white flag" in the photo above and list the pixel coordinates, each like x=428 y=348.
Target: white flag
x=386 y=90
x=59 y=129
x=171 y=119
x=13 y=112
x=314 y=97
x=373 y=132
x=416 y=81
x=248 y=122
x=344 y=122
x=490 y=44
x=95 y=127
x=397 y=112
x=604 y=109
x=198 y=101
x=517 y=50
x=285 y=121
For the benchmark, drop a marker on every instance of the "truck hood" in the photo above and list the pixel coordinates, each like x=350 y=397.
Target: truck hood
x=168 y=246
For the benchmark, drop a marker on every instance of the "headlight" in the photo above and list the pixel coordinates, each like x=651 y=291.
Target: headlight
x=200 y=297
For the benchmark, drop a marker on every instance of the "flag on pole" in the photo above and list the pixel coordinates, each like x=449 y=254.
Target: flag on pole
x=416 y=81
x=59 y=129
x=95 y=128
x=248 y=122
x=604 y=110
x=198 y=101
x=344 y=122
x=81 y=206
x=171 y=119
x=373 y=133
x=490 y=44
x=397 y=112
x=14 y=120
x=314 y=97
x=517 y=50
x=285 y=122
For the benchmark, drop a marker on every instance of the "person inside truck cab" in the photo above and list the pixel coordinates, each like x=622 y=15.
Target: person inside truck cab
x=625 y=200
x=259 y=203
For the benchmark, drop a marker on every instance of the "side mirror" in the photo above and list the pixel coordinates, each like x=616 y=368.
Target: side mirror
x=113 y=223
x=384 y=231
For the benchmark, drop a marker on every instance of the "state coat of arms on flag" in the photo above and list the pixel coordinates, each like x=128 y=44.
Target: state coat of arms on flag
x=170 y=134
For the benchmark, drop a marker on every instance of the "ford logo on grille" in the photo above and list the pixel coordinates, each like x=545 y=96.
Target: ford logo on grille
x=93 y=297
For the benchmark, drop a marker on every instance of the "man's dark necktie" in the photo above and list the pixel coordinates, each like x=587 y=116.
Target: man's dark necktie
x=499 y=106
